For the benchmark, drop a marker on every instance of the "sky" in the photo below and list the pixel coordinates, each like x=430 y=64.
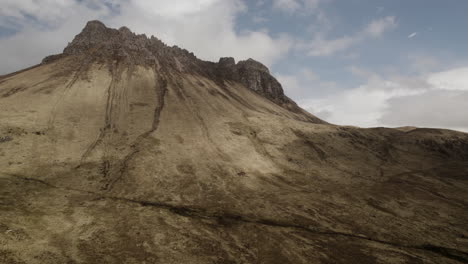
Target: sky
x=351 y=62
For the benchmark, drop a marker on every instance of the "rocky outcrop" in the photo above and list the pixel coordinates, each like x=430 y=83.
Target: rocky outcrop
x=257 y=77
x=254 y=75
x=101 y=43
x=98 y=42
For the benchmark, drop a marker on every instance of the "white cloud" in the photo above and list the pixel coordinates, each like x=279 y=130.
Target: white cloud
x=291 y=84
x=377 y=27
x=20 y=9
x=291 y=6
x=294 y=82
x=206 y=27
x=312 y=4
x=455 y=79
x=304 y=83
x=43 y=29
x=287 y=5
x=319 y=46
x=412 y=35
x=322 y=47
x=423 y=63
x=434 y=108
x=259 y=19
x=170 y=8
x=209 y=32
x=363 y=73
x=437 y=99
x=361 y=106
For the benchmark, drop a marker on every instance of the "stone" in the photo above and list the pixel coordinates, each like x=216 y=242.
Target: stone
x=98 y=42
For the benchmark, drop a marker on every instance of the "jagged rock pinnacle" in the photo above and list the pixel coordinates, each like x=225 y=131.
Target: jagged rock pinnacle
x=99 y=43
x=253 y=75
x=93 y=25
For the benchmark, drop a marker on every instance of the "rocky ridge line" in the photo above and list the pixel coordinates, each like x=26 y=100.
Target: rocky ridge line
x=100 y=43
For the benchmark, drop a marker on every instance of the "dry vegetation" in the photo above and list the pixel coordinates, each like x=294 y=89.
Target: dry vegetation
x=106 y=163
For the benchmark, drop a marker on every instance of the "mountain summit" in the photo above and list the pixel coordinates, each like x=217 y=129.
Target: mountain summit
x=122 y=149
x=97 y=43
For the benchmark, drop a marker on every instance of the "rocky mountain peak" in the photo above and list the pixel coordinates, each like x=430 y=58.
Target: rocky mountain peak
x=125 y=30
x=226 y=62
x=252 y=64
x=96 y=42
x=94 y=25
x=253 y=75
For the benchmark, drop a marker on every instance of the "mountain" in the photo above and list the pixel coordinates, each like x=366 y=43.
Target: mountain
x=122 y=149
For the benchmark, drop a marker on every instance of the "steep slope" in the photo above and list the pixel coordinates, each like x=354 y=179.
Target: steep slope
x=124 y=150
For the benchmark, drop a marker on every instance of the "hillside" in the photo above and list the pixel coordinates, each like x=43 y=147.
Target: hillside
x=125 y=150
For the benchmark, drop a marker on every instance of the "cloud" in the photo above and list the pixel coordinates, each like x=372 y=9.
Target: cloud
x=208 y=31
x=453 y=80
x=206 y=27
x=291 y=6
x=377 y=27
x=423 y=63
x=287 y=5
x=412 y=35
x=41 y=29
x=434 y=108
x=363 y=73
x=320 y=46
x=18 y=10
x=436 y=99
x=361 y=106
x=258 y=19
x=323 y=47
x=304 y=83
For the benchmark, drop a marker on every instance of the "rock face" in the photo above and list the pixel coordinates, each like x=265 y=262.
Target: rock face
x=100 y=43
x=254 y=75
x=124 y=150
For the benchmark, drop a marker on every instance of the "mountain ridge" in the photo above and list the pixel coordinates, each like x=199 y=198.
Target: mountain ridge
x=103 y=43
x=107 y=159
